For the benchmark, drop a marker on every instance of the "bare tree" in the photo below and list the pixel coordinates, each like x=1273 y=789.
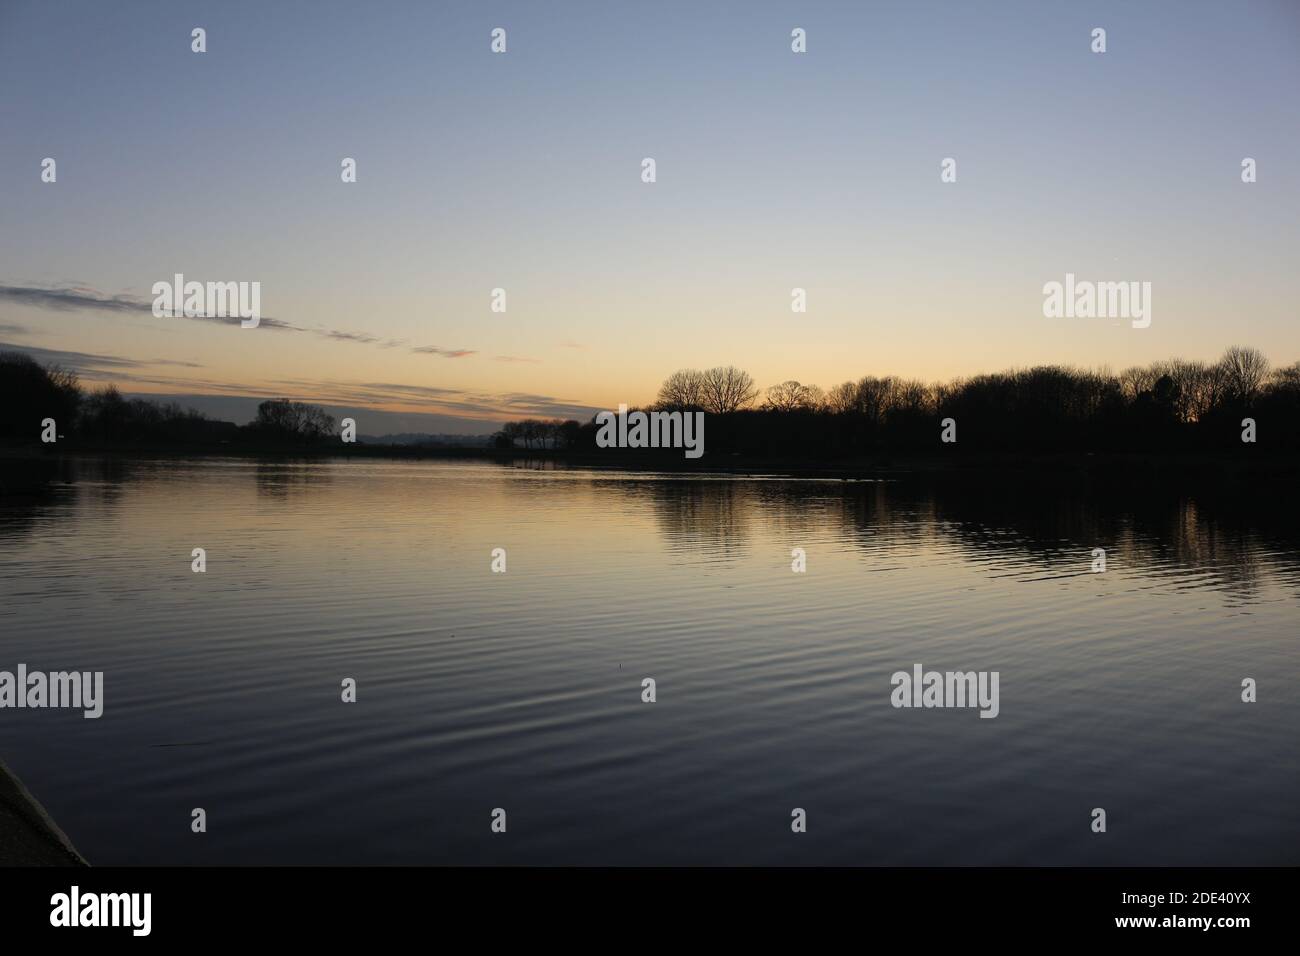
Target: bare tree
x=64 y=379
x=512 y=432
x=913 y=397
x=530 y=430
x=792 y=396
x=1137 y=380
x=552 y=433
x=1246 y=370
x=1286 y=379
x=682 y=389
x=727 y=389
x=873 y=397
x=1194 y=389
x=294 y=420
x=840 y=399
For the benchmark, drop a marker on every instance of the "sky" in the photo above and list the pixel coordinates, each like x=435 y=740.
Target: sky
x=522 y=171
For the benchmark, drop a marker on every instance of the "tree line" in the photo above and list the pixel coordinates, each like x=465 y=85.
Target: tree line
x=538 y=433
x=30 y=393
x=1168 y=405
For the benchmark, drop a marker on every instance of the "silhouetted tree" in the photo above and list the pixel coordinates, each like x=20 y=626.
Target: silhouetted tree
x=556 y=433
x=30 y=393
x=683 y=389
x=1246 y=371
x=792 y=396
x=280 y=419
x=726 y=389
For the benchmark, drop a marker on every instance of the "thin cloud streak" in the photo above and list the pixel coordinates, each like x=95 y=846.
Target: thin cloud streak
x=445 y=353
x=71 y=298
x=385 y=396
x=444 y=400
x=74 y=298
x=88 y=363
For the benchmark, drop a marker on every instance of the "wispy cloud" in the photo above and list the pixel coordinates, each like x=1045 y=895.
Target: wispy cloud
x=152 y=373
x=445 y=353
x=88 y=363
x=362 y=337
x=74 y=298
x=70 y=298
x=475 y=404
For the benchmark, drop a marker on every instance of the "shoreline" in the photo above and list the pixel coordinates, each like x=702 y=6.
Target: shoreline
x=28 y=834
x=24 y=469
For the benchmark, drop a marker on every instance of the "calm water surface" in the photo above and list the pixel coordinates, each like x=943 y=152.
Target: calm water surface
x=523 y=690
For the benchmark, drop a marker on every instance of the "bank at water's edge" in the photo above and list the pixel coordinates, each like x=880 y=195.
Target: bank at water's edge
x=28 y=837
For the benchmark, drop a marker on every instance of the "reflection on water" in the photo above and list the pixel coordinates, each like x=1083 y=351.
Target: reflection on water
x=479 y=690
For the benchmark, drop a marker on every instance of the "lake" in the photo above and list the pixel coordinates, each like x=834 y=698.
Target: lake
x=522 y=690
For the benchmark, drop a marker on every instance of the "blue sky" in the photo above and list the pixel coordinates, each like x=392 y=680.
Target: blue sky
x=522 y=171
